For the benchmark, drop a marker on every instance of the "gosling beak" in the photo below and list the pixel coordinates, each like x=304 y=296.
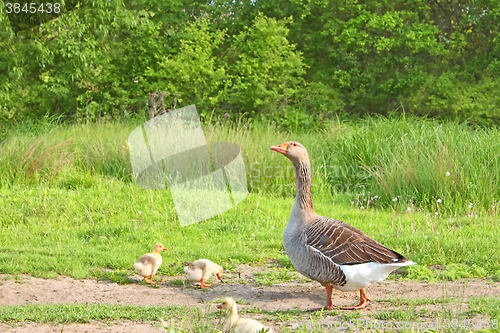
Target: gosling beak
x=283 y=148
x=219 y=277
x=165 y=249
x=219 y=306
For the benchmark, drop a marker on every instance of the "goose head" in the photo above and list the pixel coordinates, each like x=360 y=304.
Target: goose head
x=217 y=270
x=218 y=273
x=295 y=151
x=159 y=247
x=227 y=304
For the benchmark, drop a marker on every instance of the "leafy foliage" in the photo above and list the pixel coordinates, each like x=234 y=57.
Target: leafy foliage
x=267 y=59
x=266 y=67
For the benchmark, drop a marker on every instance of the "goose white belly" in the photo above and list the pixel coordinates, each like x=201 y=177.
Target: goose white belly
x=363 y=275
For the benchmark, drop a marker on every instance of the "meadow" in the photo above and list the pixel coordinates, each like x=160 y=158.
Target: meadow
x=427 y=189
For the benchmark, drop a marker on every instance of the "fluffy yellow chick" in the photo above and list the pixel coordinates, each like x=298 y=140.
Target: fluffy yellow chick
x=147 y=265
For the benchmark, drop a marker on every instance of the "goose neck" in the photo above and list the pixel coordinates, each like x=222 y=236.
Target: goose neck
x=303 y=179
x=234 y=315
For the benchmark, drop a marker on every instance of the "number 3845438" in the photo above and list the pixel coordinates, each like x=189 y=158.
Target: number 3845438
x=471 y=323
x=32 y=8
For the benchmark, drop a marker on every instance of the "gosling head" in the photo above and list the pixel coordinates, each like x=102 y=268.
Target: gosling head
x=159 y=247
x=218 y=272
x=295 y=151
x=227 y=304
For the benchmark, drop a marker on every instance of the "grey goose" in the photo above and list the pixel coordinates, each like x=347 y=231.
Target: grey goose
x=329 y=251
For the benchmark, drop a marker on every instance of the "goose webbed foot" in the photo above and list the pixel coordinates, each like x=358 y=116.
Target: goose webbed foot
x=329 y=302
x=363 y=303
x=202 y=284
x=326 y=308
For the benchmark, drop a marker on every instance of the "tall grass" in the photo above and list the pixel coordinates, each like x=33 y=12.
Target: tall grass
x=65 y=155
x=423 y=162
x=404 y=163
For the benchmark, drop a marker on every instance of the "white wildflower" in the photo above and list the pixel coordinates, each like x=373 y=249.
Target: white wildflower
x=470 y=205
x=448 y=174
x=439 y=201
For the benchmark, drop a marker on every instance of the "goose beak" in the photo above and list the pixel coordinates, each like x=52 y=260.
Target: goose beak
x=280 y=149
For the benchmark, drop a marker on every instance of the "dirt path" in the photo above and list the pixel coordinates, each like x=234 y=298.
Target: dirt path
x=281 y=296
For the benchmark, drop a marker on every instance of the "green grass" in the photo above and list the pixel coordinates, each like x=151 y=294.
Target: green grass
x=446 y=316
x=67 y=191
x=172 y=318
x=179 y=318
x=194 y=320
x=272 y=277
x=85 y=313
x=419 y=162
x=396 y=302
x=46 y=231
x=406 y=163
x=82 y=231
x=70 y=207
x=485 y=305
x=407 y=315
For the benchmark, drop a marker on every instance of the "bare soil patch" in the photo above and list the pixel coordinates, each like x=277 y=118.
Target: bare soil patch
x=239 y=284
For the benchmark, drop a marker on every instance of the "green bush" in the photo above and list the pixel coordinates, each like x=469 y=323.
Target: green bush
x=265 y=67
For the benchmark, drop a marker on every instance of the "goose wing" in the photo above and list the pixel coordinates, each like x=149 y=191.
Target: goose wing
x=148 y=259
x=346 y=245
x=202 y=264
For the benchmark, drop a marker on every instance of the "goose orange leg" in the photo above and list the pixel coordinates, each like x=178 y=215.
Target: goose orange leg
x=363 y=303
x=202 y=284
x=150 y=281
x=329 y=302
